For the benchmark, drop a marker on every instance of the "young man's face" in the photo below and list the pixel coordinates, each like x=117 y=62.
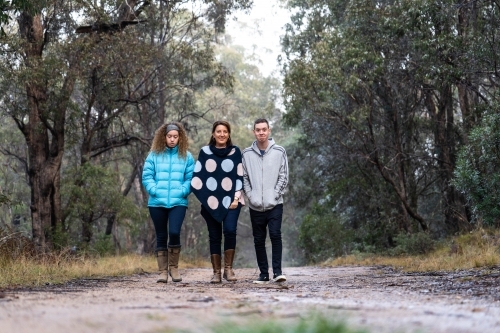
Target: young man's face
x=261 y=132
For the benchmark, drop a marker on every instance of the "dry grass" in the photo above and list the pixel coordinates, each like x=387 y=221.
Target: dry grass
x=28 y=271
x=194 y=263
x=21 y=266
x=477 y=249
x=25 y=271
x=474 y=250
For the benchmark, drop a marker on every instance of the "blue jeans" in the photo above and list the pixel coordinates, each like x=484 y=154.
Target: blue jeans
x=168 y=223
x=216 y=229
x=261 y=221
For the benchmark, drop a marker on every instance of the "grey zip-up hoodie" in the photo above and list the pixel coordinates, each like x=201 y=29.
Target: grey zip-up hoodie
x=265 y=177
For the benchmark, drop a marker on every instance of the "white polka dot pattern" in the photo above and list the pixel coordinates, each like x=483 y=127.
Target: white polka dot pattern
x=226 y=202
x=196 y=183
x=212 y=202
x=211 y=184
x=227 y=184
x=227 y=165
x=207 y=150
x=217 y=176
x=210 y=165
x=197 y=166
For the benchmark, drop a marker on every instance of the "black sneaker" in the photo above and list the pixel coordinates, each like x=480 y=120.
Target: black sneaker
x=279 y=278
x=262 y=280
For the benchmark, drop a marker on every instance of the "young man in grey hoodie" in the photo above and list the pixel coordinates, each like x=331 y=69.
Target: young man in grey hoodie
x=265 y=176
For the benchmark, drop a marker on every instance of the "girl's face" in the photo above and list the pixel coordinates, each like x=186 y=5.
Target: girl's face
x=172 y=138
x=221 y=135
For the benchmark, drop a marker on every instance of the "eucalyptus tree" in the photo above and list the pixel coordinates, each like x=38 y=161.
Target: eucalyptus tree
x=135 y=81
x=12 y=7
x=39 y=69
x=43 y=62
x=385 y=92
x=477 y=173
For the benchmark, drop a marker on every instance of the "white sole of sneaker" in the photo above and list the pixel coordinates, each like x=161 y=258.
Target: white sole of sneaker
x=261 y=282
x=280 y=279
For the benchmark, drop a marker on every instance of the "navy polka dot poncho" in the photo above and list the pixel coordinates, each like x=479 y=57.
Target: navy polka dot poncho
x=218 y=174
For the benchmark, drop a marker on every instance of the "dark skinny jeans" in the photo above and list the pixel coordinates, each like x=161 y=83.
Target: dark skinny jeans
x=216 y=229
x=261 y=221
x=168 y=223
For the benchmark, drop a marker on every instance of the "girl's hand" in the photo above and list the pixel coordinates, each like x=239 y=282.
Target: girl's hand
x=234 y=204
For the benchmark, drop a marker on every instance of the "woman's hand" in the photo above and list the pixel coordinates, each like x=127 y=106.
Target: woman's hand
x=234 y=204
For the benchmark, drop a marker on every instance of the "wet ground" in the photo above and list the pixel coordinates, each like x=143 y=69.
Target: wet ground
x=377 y=299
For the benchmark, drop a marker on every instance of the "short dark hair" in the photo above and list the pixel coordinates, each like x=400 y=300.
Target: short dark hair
x=214 y=126
x=260 y=121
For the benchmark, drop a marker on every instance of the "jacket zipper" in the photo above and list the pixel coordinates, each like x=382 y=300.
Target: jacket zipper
x=169 y=177
x=262 y=182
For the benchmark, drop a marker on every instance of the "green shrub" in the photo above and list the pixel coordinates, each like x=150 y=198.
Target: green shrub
x=103 y=245
x=413 y=244
x=322 y=235
x=14 y=244
x=477 y=174
x=60 y=239
x=4 y=199
x=315 y=324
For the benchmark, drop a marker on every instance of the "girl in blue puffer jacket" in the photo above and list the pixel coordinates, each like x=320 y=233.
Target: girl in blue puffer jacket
x=167 y=174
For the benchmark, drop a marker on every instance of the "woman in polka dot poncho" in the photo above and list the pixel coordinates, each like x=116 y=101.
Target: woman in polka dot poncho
x=217 y=182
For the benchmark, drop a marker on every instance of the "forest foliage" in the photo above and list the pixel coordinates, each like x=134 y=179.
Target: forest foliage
x=388 y=111
x=397 y=104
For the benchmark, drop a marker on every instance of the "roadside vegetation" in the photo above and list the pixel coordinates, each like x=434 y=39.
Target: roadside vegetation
x=22 y=267
x=476 y=249
x=315 y=323
x=60 y=268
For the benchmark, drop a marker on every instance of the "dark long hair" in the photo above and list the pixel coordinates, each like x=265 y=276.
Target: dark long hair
x=214 y=126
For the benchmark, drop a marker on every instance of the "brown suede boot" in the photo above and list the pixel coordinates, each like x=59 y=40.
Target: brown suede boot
x=173 y=263
x=162 y=259
x=216 y=264
x=228 y=266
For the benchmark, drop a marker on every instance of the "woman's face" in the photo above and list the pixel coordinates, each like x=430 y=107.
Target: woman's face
x=172 y=138
x=221 y=135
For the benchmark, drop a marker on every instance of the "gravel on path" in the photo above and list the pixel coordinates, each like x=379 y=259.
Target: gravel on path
x=377 y=299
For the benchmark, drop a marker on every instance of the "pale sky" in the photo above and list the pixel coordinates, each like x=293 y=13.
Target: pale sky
x=261 y=30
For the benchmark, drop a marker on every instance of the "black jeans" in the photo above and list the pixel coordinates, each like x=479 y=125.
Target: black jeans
x=216 y=229
x=163 y=218
x=260 y=222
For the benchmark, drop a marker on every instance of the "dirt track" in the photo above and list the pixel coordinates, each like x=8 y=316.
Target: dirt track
x=377 y=299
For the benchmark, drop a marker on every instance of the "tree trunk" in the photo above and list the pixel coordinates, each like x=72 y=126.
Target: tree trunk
x=445 y=143
x=44 y=136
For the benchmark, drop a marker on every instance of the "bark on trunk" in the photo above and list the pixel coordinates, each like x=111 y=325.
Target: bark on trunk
x=44 y=136
x=445 y=143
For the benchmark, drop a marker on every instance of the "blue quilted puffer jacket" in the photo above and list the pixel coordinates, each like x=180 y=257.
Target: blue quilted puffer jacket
x=167 y=178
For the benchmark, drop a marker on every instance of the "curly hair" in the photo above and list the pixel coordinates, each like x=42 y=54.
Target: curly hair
x=214 y=126
x=160 y=142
